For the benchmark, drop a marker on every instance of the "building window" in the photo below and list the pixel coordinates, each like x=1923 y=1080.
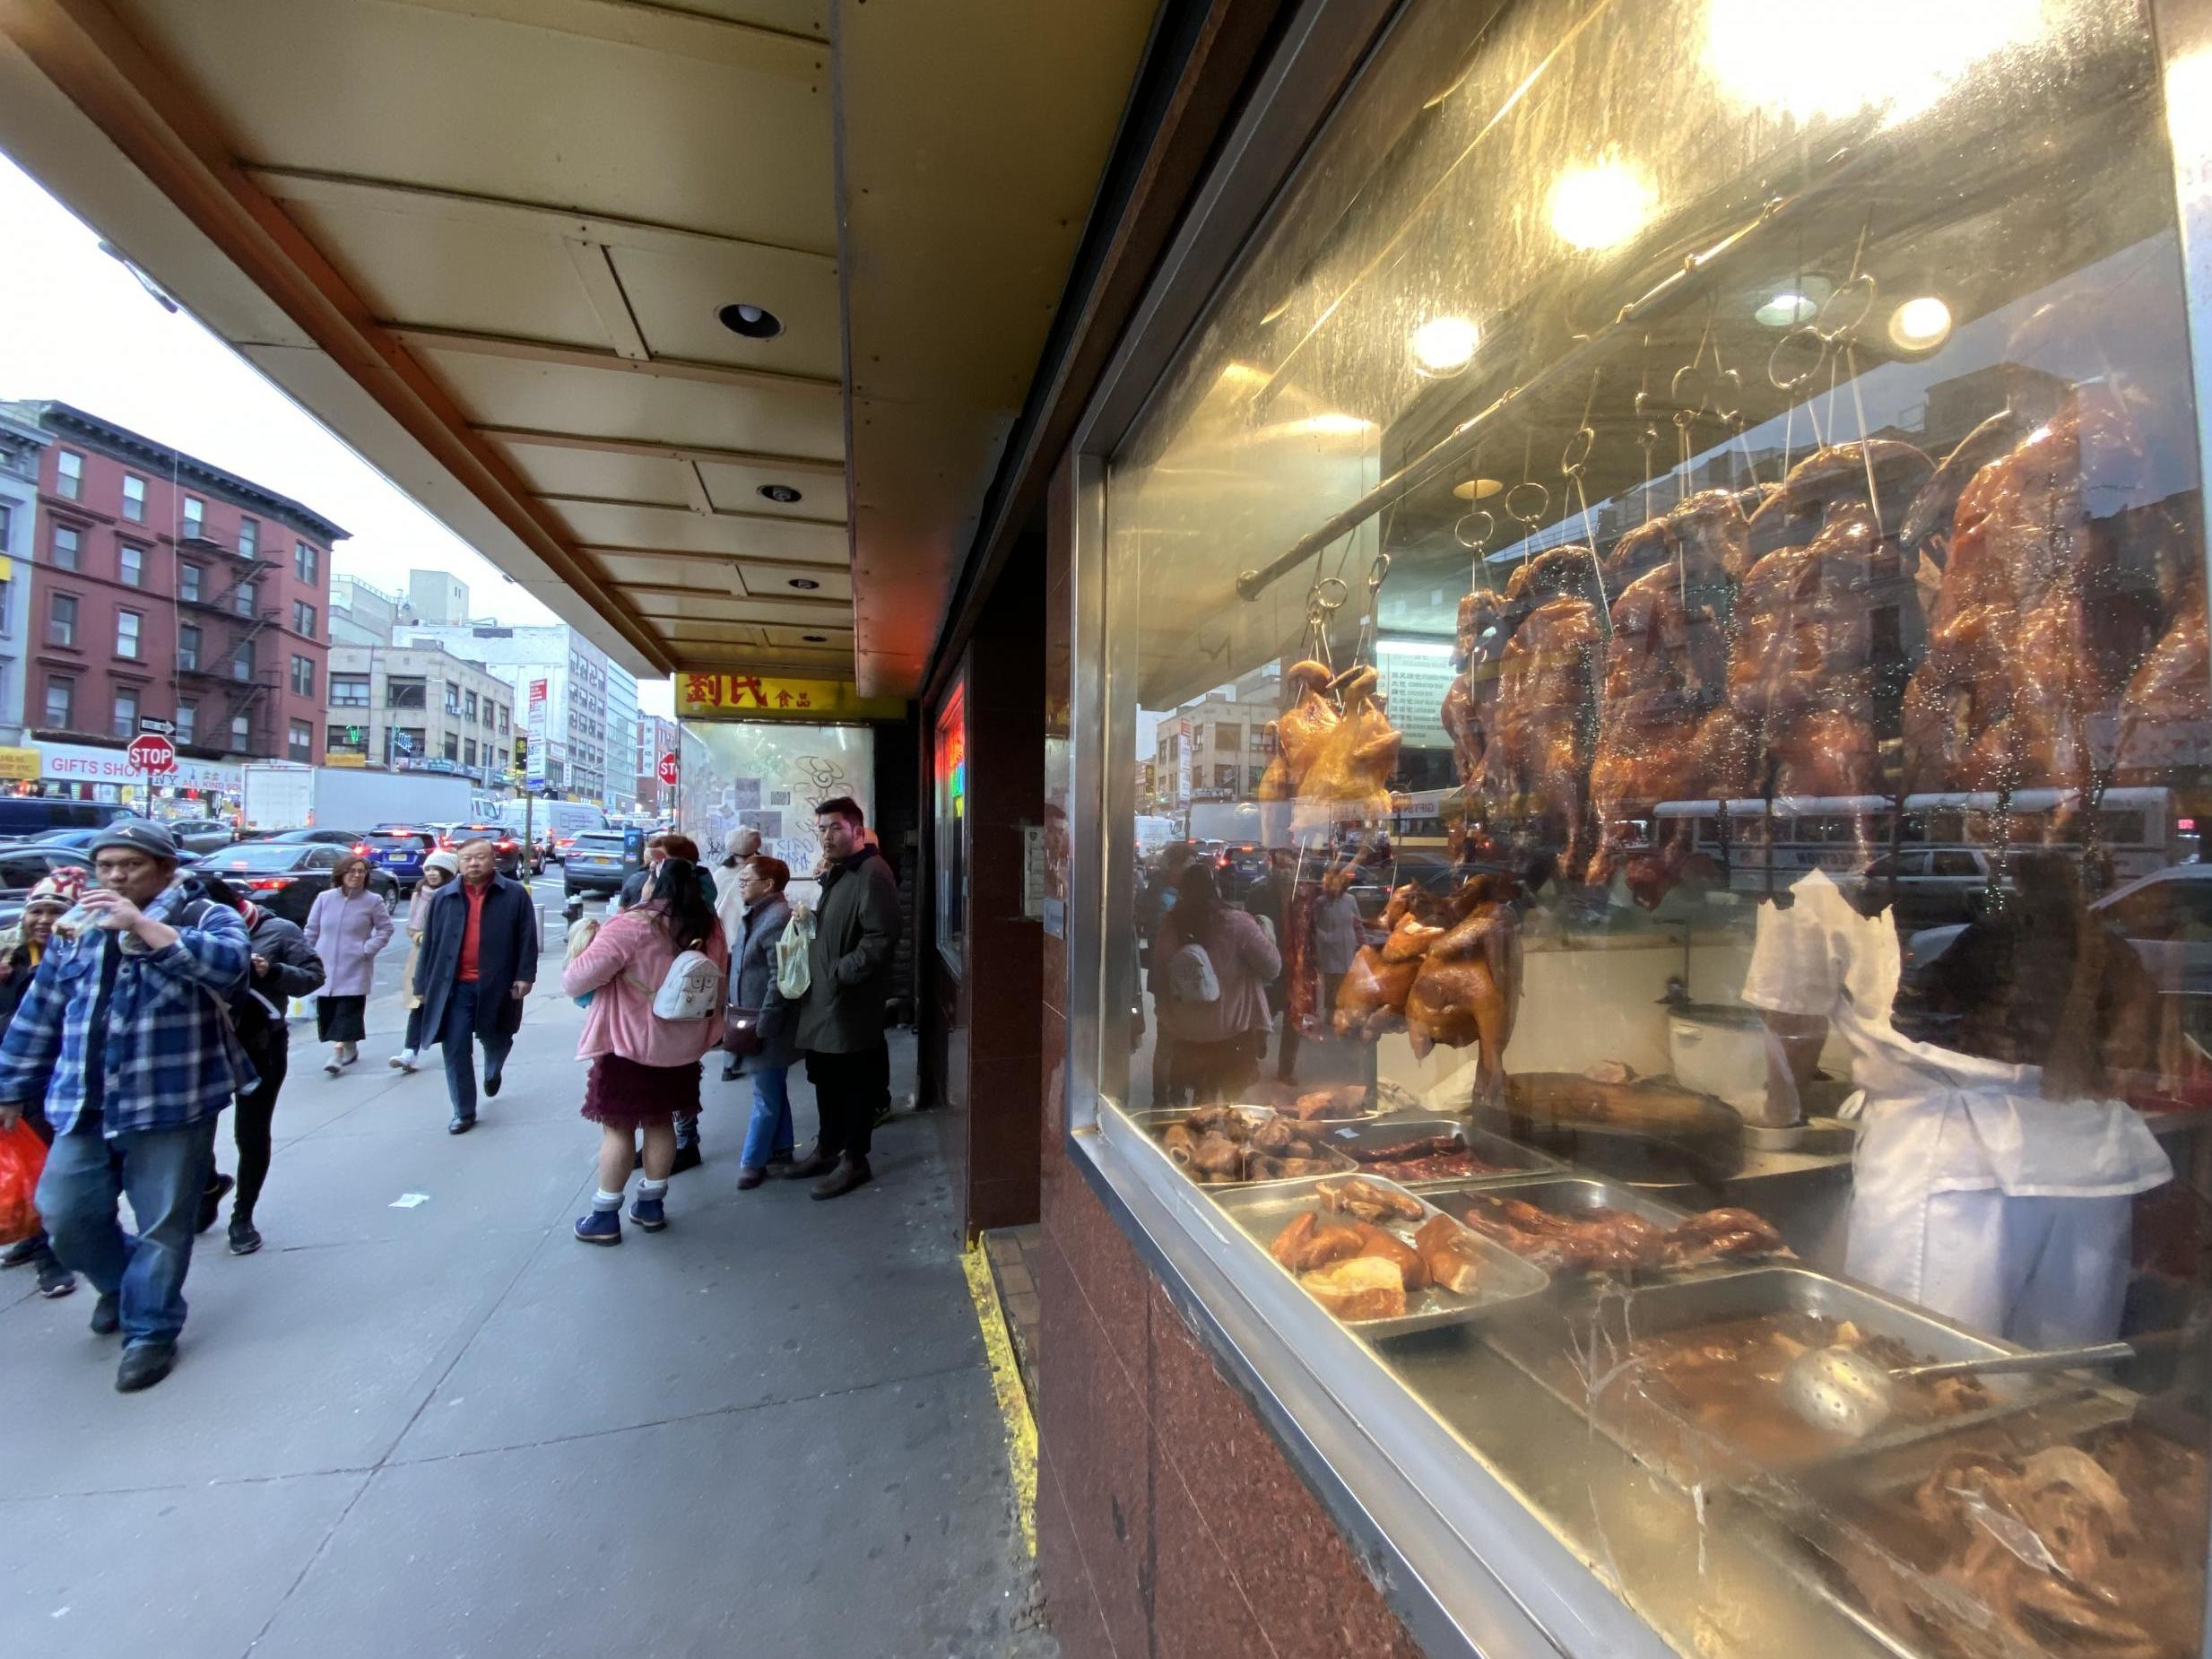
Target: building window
x=468 y=703
x=242 y=661
x=303 y=675
x=126 y=713
x=345 y=740
x=134 y=497
x=243 y=601
x=249 y=536
x=130 y=564
x=453 y=745
x=407 y=742
x=504 y=729
x=302 y=746
x=69 y=474
x=68 y=545
x=349 y=691
x=452 y=698
x=306 y=562
x=188 y=649
x=61 y=621
x=188 y=582
x=194 y=517
x=1228 y=736
x=1225 y=778
x=185 y=715
x=303 y=618
x=61 y=698
x=241 y=733
x=405 y=694
x=128 y=624
x=468 y=752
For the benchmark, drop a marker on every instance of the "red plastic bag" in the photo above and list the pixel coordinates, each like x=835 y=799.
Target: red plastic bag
x=22 y=1158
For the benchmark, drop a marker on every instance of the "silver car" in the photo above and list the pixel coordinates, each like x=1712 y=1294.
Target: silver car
x=200 y=835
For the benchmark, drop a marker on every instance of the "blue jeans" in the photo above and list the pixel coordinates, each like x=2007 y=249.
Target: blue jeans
x=769 y=1134
x=458 y=1037
x=162 y=1172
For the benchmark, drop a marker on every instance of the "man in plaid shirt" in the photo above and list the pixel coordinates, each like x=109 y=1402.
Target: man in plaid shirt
x=125 y=1034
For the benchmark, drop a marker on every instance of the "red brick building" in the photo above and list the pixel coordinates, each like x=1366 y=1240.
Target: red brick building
x=166 y=588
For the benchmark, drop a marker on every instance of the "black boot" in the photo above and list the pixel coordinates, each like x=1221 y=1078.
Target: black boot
x=817 y=1162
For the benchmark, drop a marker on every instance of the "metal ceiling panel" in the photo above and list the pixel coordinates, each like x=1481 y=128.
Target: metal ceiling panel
x=525 y=113
x=621 y=524
x=676 y=297
x=737 y=489
x=620 y=403
x=799 y=17
x=586 y=472
x=782 y=582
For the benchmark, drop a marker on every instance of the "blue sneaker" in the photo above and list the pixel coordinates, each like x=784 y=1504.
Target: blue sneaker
x=649 y=1213
x=600 y=1226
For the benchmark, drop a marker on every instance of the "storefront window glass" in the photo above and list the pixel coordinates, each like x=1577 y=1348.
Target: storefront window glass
x=1711 y=522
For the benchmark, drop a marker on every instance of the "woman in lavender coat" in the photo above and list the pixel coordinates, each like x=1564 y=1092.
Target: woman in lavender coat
x=346 y=927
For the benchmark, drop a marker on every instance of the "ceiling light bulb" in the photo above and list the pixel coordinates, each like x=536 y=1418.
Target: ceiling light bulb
x=1599 y=206
x=1920 y=325
x=1786 y=310
x=1443 y=345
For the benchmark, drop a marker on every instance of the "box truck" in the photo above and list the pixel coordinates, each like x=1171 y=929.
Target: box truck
x=343 y=797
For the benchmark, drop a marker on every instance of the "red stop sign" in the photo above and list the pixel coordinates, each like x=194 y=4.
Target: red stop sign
x=152 y=753
x=668 y=768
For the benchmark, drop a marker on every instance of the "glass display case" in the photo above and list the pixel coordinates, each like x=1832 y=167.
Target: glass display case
x=1663 y=612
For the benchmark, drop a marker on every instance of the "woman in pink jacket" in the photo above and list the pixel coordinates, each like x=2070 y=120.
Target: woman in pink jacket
x=644 y=1068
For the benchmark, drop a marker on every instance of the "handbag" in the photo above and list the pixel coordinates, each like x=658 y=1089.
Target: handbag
x=792 y=975
x=741 y=1036
x=690 y=990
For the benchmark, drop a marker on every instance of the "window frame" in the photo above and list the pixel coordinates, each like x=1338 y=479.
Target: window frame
x=59 y=631
x=67 y=685
x=69 y=474
x=134 y=499
x=75 y=563
x=133 y=635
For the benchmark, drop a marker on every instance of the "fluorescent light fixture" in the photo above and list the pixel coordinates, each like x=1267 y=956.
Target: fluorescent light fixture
x=1920 y=325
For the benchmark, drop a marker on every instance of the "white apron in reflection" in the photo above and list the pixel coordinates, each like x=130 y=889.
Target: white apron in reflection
x=1972 y=1194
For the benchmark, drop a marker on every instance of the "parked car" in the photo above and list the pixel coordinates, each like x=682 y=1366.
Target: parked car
x=515 y=860
x=596 y=864
x=358 y=839
x=1927 y=887
x=399 y=849
x=2167 y=916
x=284 y=877
x=199 y=835
x=40 y=818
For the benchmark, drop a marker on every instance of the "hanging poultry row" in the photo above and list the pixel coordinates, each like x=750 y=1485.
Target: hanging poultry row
x=1875 y=624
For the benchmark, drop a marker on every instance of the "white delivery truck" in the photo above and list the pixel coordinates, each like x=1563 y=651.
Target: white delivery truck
x=343 y=797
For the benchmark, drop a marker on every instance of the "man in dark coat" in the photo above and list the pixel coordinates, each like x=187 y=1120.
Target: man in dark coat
x=841 y=1021
x=478 y=961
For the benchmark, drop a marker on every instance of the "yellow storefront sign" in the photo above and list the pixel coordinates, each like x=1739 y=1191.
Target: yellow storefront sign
x=338 y=757
x=15 y=763
x=763 y=697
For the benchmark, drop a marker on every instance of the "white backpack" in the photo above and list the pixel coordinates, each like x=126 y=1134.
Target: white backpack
x=692 y=989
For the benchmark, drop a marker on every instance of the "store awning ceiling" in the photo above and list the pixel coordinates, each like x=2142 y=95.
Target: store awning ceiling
x=498 y=246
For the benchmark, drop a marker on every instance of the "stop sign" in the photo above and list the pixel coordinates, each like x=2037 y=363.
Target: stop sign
x=153 y=754
x=668 y=768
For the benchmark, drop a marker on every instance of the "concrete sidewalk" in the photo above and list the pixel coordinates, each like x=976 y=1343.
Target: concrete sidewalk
x=451 y=1429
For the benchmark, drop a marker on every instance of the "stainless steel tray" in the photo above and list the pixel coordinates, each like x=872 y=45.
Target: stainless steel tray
x=1567 y=1194
x=1597 y=1327
x=1516 y=1162
x=1155 y=1124
x=1264 y=1211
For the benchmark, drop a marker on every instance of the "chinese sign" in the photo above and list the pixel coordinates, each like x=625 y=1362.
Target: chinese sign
x=761 y=696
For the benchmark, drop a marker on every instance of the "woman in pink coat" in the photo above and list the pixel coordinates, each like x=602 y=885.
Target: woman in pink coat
x=644 y=1068
x=347 y=926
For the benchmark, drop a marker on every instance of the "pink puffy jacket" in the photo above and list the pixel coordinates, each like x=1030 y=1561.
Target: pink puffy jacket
x=625 y=966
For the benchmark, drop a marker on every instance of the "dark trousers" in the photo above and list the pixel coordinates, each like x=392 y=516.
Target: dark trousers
x=251 y=1124
x=414 y=1042
x=458 y=1037
x=851 y=1091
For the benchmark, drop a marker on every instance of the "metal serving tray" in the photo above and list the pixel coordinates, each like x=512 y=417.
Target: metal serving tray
x=1264 y=1211
x=1155 y=1124
x=1516 y=1162
x=1538 y=1347
x=1567 y=1194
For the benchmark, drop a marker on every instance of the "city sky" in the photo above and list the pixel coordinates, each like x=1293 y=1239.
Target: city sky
x=79 y=328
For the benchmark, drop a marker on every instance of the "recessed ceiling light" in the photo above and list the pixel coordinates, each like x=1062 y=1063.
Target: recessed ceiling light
x=753 y=321
x=1786 y=310
x=783 y=495
x=1921 y=325
x=815 y=639
x=807 y=582
x=1443 y=345
x=1477 y=488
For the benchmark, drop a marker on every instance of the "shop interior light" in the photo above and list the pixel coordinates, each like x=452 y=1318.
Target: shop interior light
x=1786 y=310
x=1599 y=206
x=783 y=495
x=1477 y=488
x=1920 y=325
x=1443 y=345
x=805 y=584
x=753 y=322
x=1900 y=57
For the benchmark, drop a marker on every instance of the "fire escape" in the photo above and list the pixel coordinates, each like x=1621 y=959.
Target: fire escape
x=224 y=677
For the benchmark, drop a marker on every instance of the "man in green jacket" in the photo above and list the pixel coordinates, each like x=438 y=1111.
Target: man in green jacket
x=840 y=1026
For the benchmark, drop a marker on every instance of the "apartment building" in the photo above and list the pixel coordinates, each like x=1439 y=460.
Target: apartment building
x=420 y=708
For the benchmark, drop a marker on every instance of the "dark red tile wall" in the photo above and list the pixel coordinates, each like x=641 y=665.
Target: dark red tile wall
x=1170 y=1523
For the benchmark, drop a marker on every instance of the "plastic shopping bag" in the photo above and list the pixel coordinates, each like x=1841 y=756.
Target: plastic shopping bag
x=22 y=1158
x=793 y=976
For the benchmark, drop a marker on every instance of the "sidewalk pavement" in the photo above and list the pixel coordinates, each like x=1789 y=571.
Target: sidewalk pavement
x=449 y=1428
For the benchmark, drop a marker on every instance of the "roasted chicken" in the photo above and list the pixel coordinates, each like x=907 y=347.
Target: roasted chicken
x=1469 y=987
x=1536 y=767
x=1351 y=766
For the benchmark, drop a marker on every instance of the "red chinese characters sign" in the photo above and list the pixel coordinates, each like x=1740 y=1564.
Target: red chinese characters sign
x=764 y=697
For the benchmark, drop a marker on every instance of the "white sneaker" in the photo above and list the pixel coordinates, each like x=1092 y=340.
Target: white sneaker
x=404 y=1061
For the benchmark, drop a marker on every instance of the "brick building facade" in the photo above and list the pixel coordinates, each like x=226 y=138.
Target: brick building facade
x=164 y=588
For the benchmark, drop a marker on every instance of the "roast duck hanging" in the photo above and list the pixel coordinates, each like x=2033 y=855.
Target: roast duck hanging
x=1448 y=974
x=1331 y=766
